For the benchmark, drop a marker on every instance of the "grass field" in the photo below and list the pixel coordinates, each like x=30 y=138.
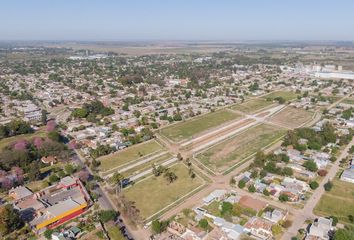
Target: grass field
x=158 y=193
x=224 y=155
x=287 y=95
x=129 y=154
x=6 y=141
x=194 y=126
x=339 y=202
x=252 y=105
x=291 y=117
x=114 y=233
x=349 y=101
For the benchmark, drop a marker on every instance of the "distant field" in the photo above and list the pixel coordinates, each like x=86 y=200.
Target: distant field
x=349 y=101
x=194 y=126
x=252 y=105
x=287 y=95
x=291 y=117
x=6 y=141
x=158 y=193
x=338 y=202
x=129 y=154
x=227 y=153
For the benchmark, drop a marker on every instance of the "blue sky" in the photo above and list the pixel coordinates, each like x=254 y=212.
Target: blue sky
x=177 y=20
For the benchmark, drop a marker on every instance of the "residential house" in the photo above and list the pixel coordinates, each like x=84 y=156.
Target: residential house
x=260 y=228
x=216 y=195
x=320 y=229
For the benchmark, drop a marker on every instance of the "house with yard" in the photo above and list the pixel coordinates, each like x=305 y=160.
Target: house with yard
x=275 y=215
x=259 y=228
x=233 y=231
x=348 y=175
x=216 y=195
x=320 y=229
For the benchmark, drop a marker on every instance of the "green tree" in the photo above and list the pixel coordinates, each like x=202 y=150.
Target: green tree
x=203 y=223
x=241 y=184
x=251 y=188
x=310 y=165
x=283 y=198
x=328 y=186
x=9 y=219
x=314 y=185
x=107 y=215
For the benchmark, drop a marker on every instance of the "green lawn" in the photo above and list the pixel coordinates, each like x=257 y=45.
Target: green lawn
x=194 y=126
x=6 y=141
x=155 y=193
x=339 y=202
x=115 y=234
x=252 y=105
x=129 y=154
x=287 y=95
x=224 y=155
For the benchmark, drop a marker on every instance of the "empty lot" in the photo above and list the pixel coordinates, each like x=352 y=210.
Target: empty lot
x=227 y=153
x=252 y=105
x=197 y=125
x=338 y=202
x=291 y=117
x=287 y=95
x=129 y=154
x=158 y=193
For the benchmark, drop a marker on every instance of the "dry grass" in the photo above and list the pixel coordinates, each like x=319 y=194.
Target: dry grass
x=291 y=117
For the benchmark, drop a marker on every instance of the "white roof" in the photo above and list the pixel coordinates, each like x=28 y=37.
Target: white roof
x=62 y=207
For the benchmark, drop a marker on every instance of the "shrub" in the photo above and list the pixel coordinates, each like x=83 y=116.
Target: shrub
x=287 y=224
x=328 y=186
x=283 y=198
x=310 y=165
x=322 y=172
x=251 y=188
x=107 y=215
x=241 y=184
x=313 y=185
x=203 y=223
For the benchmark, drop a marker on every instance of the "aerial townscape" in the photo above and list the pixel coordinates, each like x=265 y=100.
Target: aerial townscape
x=120 y=122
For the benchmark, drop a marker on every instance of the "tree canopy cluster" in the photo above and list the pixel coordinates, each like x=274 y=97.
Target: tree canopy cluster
x=15 y=127
x=92 y=110
x=316 y=140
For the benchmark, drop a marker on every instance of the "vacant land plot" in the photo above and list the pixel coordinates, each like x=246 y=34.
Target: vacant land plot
x=287 y=95
x=339 y=202
x=6 y=141
x=146 y=166
x=224 y=155
x=291 y=117
x=129 y=154
x=349 y=101
x=252 y=105
x=192 y=127
x=158 y=193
